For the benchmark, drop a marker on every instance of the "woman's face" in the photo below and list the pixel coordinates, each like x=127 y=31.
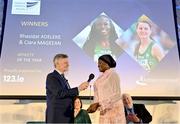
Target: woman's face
x=143 y=30
x=102 y=66
x=103 y=26
x=77 y=104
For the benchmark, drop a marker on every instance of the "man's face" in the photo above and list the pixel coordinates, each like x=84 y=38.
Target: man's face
x=62 y=64
x=127 y=101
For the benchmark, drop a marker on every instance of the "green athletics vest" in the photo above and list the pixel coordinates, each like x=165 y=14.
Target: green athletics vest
x=99 y=51
x=146 y=59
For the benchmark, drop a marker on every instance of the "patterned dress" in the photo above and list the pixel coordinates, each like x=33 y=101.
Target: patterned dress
x=107 y=92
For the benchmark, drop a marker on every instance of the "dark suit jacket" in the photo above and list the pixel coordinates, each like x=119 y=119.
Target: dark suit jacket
x=141 y=112
x=59 y=99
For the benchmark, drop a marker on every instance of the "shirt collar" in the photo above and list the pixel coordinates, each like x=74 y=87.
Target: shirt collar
x=127 y=109
x=59 y=71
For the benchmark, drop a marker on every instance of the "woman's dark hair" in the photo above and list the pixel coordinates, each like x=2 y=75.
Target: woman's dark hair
x=77 y=97
x=94 y=37
x=108 y=59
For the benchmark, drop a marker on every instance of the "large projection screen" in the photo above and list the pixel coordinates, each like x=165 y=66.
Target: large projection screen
x=36 y=30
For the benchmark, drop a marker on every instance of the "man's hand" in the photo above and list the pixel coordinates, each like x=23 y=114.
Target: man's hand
x=133 y=118
x=83 y=86
x=93 y=107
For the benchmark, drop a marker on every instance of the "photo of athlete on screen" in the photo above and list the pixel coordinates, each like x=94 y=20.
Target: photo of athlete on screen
x=147 y=52
x=101 y=39
x=145 y=42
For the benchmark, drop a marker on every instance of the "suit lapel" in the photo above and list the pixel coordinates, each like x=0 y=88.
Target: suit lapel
x=125 y=111
x=61 y=80
x=137 y=110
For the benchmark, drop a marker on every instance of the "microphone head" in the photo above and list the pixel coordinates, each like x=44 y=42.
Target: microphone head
x=91 y=76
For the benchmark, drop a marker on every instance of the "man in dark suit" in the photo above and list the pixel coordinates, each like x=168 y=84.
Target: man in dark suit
x=135 y=113
x=59 y=93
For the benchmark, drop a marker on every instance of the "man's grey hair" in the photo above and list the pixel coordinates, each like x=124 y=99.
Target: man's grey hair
x=59 y=56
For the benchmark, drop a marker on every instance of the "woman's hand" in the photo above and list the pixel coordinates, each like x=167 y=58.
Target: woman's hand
x=93 y=107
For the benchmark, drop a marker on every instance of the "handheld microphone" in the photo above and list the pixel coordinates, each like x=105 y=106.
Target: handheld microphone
x=91 y=76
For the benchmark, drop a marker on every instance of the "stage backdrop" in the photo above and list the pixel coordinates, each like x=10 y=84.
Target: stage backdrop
x=36 y=30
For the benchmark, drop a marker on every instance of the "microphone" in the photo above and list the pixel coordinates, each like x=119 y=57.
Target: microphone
x=91 y=76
